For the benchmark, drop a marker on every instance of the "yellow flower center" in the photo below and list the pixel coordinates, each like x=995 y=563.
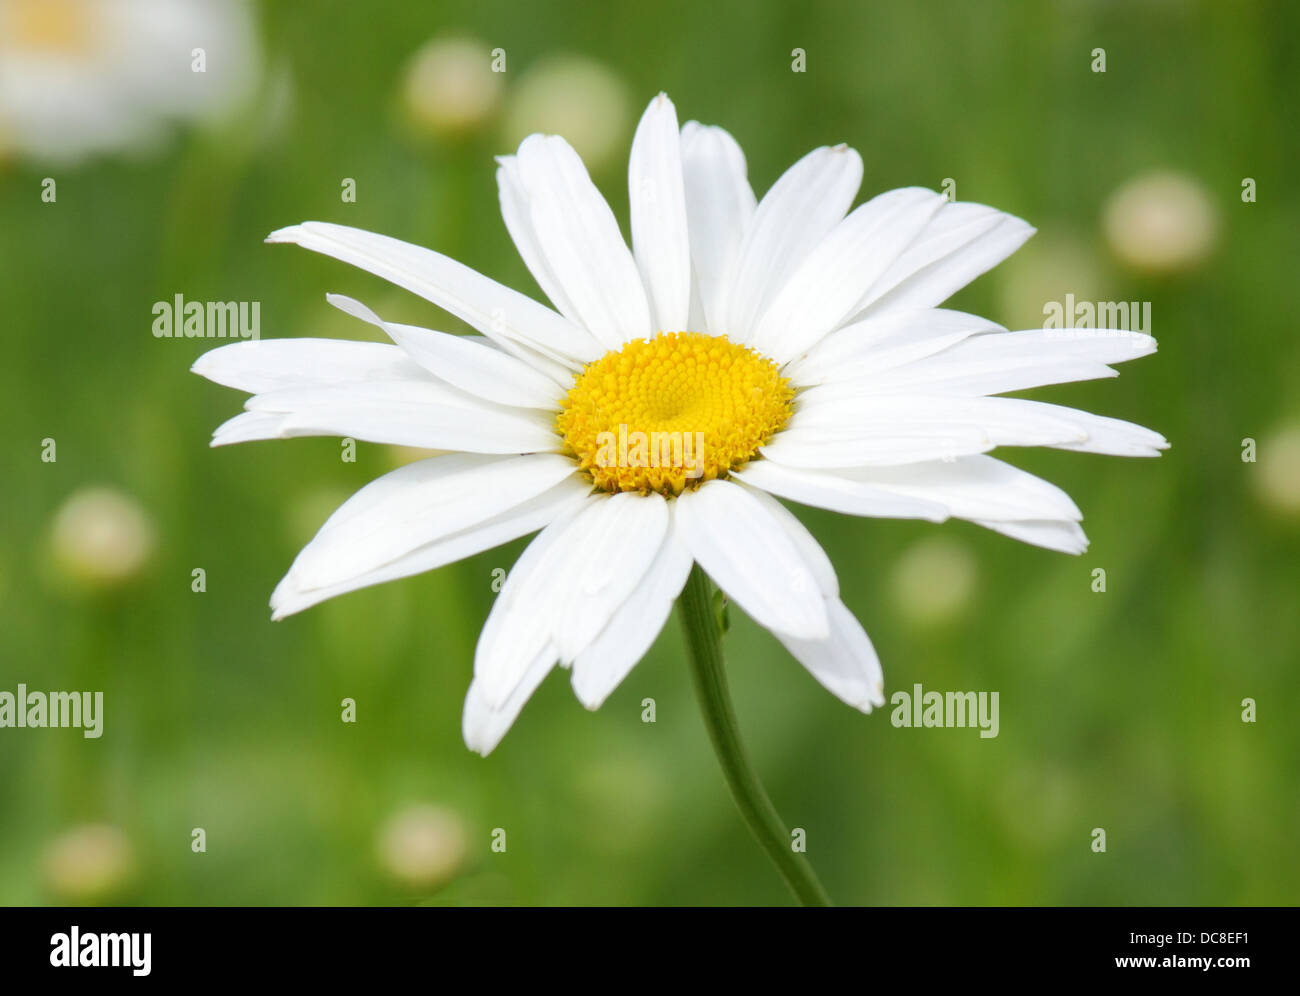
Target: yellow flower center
x=672 y=412
x=54 y=26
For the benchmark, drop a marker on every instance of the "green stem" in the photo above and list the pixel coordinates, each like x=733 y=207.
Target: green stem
x=704 y=642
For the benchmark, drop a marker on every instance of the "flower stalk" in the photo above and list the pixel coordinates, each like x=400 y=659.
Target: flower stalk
x=704 y=647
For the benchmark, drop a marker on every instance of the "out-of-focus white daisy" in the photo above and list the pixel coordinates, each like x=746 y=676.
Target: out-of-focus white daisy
x=83 y=76
x=1161 y=222
x=1034 y=283
x=574 y=96
x=799 y=338
x=1277 y=470
x=450 y=86
x=89 y=863
x=101 y=537
x=933 y=580
x=422 y=846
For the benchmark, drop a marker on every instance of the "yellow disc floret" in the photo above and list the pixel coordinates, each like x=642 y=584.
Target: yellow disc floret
x=669 y=413
x=62 y=27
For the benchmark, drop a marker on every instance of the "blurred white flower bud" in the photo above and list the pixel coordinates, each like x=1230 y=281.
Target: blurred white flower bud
x=1162 y=222
x=1277 y=469
x=89 y=863
x=422 y=846
x=933 y=580
x=1051 y=267
x=450 y=86
x=576 y=97
x=101 y=536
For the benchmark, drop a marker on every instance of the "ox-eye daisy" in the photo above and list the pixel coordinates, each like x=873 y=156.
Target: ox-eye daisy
x=80 y=77
x=785 y=347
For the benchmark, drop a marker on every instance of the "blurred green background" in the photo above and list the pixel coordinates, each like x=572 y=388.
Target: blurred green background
x=1120 y=710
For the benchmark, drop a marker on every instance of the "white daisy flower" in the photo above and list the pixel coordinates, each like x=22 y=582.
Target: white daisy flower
x=802 y=341
x=79 y=77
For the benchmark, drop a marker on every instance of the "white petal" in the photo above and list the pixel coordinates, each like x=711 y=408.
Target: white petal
x=1064 y=537
x=827 y=286
x=979 y=375
x=1111 y=436
x=820 y=448
x=719 y=206
x=1005 y=421
x=697 y=322
x=474 y=367
x=260 y=365
x=881 y=343
x=418 y=504
x=631 y=631
x=750 y=556
x=619 y=542
x=247 y=427
x=420 y=413
x=420 y=426
x=1012 y=361
x=517 y=214
x=800 y=210
x=423 y=389
x=578 y=236
x=522 y=620
x=291 y=597
x=657 y=201
x=961 y=241
x=972 y=487
x=839 y=494
x=844 y=662
x=823 y=571
x=1092 y=345
x=484 y=723
x=505 y=316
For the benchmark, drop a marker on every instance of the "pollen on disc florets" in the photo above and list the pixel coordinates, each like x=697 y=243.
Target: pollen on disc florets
x=669 y=413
